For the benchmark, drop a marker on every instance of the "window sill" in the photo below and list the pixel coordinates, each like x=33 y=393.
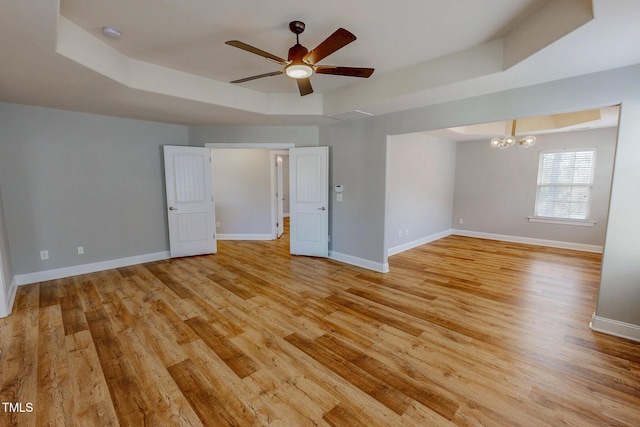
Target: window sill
x=560 y=221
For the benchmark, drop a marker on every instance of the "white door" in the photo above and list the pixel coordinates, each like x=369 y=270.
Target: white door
x=191 y=210
x=279 y=197
x=309 y=201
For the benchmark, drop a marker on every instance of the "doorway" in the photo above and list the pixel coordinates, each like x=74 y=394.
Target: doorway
x=309 y=213
x=280 y=161
x=250 y=192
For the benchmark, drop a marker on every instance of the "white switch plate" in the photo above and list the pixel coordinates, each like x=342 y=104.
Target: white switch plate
x=339 y=197
x=44 y=254
x=80 y=250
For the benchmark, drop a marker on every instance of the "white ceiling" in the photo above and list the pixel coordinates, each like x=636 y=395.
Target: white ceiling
x=172 y=65
x=190 y=35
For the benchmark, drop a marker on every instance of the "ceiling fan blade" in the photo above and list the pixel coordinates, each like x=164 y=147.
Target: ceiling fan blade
x=339 y=39
x=249 y=48
x=345 y=71
x=259 y=76
x=305 y=86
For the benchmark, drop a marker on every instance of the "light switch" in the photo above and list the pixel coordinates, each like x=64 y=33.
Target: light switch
x=339 y=197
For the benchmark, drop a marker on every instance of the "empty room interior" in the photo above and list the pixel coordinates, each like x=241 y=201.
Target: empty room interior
x=332 y=214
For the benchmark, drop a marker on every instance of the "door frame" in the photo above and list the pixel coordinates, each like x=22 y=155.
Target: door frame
x=277 y=217
x=4 y=306
x=277 y=148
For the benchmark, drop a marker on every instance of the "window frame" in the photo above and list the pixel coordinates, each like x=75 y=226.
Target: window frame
x=559 y=219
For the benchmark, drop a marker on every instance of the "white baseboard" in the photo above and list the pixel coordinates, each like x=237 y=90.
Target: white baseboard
x=415 y=243
x=359 y=262
x=615 y=328
x=59 y=273
x=530 y=241
x=244 y=237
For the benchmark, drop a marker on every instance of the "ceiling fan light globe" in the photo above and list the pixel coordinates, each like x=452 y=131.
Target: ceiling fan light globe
x=527 y=141
x=299 y=71
x=495 y=142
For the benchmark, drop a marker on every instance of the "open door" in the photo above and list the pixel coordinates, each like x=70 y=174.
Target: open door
x=191 y=210
x=279 y=197
x=309 y=201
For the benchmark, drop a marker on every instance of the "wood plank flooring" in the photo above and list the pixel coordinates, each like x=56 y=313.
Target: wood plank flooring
x=461 y=332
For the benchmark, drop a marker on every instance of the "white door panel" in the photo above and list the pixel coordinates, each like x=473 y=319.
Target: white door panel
x=309 y=200
x=191 y=210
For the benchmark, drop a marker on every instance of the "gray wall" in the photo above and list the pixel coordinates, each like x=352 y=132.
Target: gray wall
x=357 y=159
x=420 y=182
x=242 y=190
x=359 y=156
x=301 y=136
x=495 y=190
x=73 y=179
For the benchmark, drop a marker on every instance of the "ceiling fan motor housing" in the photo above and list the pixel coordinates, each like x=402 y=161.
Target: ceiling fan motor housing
x=296 y=53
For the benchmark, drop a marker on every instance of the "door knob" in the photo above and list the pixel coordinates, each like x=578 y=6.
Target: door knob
x=171 y=208
x=322 y=208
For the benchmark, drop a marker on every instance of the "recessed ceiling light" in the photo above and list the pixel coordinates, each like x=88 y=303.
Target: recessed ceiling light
x=111 y=33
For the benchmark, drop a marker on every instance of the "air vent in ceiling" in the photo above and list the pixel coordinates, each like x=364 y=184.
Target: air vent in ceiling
x=349 y=115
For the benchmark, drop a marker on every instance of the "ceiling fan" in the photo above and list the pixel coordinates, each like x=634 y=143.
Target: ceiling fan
x=301 y=64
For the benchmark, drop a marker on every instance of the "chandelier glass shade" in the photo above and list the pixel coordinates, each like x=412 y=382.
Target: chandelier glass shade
x=510 y=140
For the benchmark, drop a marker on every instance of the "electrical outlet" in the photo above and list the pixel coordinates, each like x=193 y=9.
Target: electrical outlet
x=460 y=221
x=399 y=233
x=217 y=224
x=80 y=250
x=406 y=232
x=44 y=255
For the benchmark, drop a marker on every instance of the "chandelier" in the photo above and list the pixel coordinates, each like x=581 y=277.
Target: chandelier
x=508 y=141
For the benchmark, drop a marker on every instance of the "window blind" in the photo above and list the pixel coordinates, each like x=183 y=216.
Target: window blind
x=565 y=180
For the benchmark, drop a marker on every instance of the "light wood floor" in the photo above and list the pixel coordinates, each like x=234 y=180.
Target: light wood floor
x=462 y=331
